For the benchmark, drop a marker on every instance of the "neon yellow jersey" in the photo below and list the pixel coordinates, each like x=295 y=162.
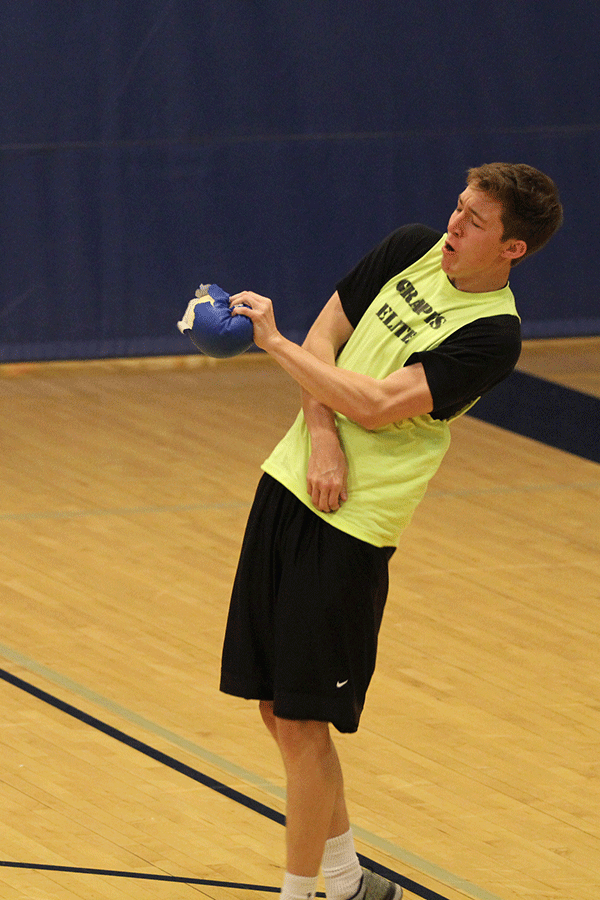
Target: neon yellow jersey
x=390 y=467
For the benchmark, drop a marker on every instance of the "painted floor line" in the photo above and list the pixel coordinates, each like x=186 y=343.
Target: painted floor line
x=388 y=847
x=134 y=719
x=200 y=507
x=117 y=511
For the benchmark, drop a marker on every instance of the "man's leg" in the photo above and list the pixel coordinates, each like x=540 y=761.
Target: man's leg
x=317 y=823
x=317 y=817
x=316 y=806
x=315 y=792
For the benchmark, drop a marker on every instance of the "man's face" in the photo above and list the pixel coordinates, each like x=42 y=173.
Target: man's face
x=474 y=257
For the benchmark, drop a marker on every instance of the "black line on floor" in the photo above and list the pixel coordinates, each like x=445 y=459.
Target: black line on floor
x=547 y=412
x=114 y=873
x=157 y=755
x=205 y=780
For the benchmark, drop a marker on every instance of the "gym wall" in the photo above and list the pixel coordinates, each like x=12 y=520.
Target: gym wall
x=148 y=147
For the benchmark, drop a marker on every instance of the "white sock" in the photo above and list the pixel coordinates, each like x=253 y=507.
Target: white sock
x=341 y=869
x=299 y=887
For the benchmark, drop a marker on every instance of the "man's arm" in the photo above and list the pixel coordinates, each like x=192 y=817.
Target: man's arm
x=326 y=478
x=371 y=402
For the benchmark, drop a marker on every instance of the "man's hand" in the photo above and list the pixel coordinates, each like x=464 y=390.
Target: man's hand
x=327 y=475
x=260 y=311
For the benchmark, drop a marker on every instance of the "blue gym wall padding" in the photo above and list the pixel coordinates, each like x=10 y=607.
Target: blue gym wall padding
x=149 y=147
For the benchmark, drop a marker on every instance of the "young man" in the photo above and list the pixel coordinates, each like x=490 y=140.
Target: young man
x=411 y=338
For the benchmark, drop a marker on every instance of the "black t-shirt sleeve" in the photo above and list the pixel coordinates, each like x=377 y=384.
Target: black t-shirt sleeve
x=396 y=252
x=470 y=362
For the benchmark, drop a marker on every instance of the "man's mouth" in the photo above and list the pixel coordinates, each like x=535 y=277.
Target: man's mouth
x=449 y=248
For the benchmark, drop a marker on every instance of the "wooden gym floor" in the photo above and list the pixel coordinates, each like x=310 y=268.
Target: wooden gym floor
x=126 y=774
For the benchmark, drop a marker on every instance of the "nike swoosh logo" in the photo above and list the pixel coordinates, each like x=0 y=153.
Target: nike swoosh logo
x=342 y=683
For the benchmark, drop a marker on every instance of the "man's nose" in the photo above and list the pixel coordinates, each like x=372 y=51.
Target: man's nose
x=456 y=223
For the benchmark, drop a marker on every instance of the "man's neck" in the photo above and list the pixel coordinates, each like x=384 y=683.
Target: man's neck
x=479 y=285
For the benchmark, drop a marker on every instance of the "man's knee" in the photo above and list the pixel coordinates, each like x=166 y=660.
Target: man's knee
x=299 y=738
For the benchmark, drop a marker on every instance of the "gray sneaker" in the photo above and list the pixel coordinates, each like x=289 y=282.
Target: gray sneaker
x=375 y=887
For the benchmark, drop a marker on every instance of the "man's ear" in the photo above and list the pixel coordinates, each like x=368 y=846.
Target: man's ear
x=515 y=249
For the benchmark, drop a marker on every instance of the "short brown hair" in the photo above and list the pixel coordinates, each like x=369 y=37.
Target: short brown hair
x=531 y=208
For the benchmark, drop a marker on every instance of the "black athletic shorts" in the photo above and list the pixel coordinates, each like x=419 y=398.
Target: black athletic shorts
x=305 y=613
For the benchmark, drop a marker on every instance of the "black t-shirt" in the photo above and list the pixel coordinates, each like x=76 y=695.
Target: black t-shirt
x=465 y=365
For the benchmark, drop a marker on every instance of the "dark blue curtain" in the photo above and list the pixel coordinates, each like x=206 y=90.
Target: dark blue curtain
x=149 y=147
